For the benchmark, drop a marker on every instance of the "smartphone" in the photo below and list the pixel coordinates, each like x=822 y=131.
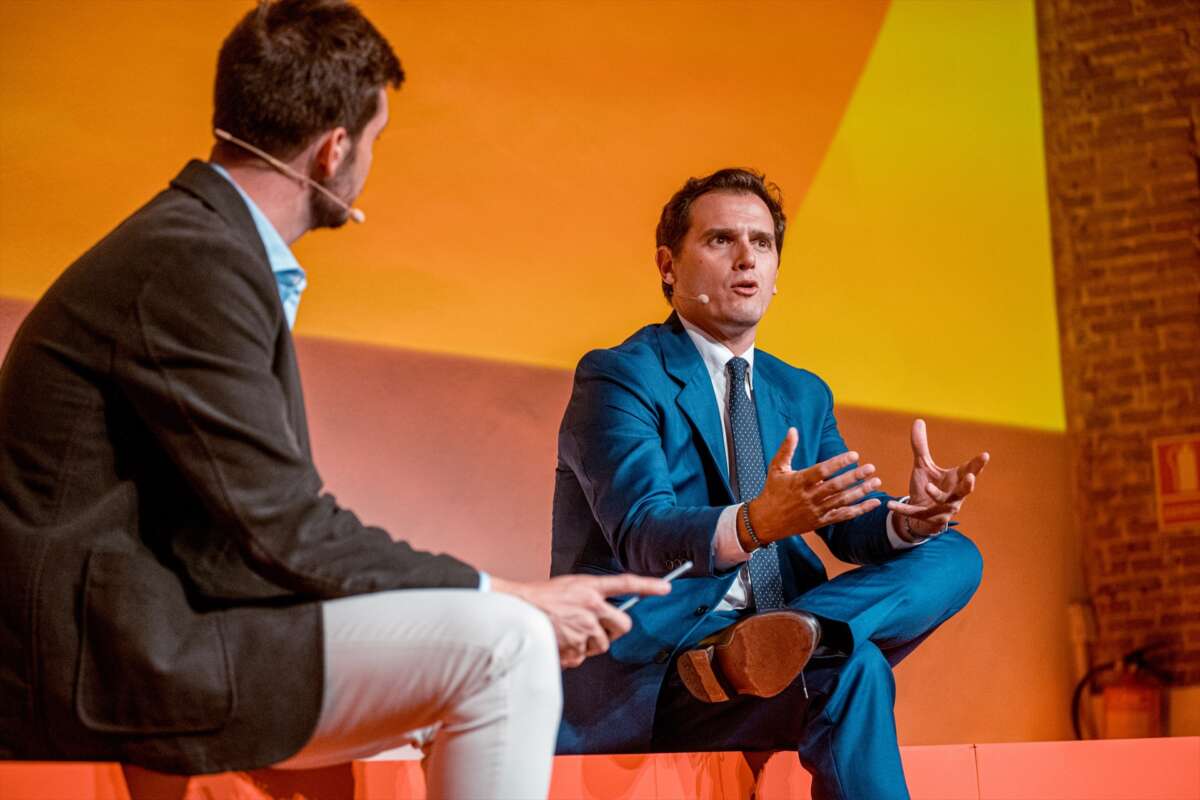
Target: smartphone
x=670 y=576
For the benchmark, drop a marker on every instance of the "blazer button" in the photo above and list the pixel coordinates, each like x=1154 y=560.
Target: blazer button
x=662 y=656
x=701 y=611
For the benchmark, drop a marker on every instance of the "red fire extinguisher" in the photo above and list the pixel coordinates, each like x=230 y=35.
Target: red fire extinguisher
x=1133 y=704
x=1133 y=697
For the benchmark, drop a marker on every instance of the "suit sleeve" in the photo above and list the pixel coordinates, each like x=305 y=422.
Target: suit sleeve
x=198 y=369
x=862 y=540
x=611 y=440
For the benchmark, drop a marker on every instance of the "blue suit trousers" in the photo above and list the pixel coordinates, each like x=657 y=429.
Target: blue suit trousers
x=844 y=730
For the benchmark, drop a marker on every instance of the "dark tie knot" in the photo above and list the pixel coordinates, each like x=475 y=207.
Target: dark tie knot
x=737 y=367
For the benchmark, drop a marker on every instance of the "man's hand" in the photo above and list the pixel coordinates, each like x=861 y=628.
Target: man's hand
x=798 y=502
x=935 y=494
x=583 y=621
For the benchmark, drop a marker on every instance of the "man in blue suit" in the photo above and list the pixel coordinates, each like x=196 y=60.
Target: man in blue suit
x=663 y=459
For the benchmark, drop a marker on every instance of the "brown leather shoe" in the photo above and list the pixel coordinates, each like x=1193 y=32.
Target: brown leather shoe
x=760 y=655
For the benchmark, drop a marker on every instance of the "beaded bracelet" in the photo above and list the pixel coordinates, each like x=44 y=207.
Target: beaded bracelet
x=750 y=528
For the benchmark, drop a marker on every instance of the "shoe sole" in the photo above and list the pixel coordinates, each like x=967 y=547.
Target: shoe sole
x=760 y=656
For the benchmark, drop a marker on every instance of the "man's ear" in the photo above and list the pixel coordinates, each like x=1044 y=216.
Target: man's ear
x=666 y=264
x=332 y=150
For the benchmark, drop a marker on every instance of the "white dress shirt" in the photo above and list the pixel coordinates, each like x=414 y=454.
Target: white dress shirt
x=727 y=550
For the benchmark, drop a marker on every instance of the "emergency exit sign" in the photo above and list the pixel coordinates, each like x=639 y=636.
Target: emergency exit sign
x=1177 y=481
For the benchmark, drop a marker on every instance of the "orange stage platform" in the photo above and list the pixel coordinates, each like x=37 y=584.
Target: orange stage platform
x=1130 y=769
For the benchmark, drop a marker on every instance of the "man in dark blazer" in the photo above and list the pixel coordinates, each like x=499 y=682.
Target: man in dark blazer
x=178 y=592
x=665 y=457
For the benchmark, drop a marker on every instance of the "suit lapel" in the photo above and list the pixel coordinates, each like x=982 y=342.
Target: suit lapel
x=695 y=399
x=773 y=422
x=203 y=181
x=772 y=411
x=219 y=194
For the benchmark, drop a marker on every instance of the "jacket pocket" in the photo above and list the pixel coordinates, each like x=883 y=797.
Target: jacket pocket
x=149 y=663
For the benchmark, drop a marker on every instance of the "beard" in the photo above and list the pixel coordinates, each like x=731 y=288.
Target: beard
x=323 y=212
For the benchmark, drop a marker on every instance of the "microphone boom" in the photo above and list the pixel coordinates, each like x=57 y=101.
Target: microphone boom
x=354 y=213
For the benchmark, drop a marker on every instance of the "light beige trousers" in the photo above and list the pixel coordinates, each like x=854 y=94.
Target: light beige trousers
x=470 y=677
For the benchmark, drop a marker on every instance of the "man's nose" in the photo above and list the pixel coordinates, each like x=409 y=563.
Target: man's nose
x=745 y=258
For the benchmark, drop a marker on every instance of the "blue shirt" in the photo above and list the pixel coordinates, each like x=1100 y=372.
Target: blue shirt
x=289 y=275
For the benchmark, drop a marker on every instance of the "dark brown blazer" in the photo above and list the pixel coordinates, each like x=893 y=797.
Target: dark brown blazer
x=164 y=538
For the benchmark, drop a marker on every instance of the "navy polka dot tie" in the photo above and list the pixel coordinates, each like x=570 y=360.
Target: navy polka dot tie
x=751 y=471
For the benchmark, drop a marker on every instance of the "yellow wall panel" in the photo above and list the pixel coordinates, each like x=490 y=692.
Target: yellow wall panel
x=917 y=275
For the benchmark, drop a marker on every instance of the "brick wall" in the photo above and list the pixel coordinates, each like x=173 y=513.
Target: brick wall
x=1121 y=104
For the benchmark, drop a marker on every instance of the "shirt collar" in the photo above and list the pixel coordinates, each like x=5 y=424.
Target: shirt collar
x=714 y=354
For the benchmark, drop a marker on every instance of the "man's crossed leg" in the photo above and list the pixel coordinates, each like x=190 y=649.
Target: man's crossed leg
x=840 y=717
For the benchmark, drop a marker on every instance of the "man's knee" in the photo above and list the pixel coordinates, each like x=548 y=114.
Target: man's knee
x=968 y=563
x=525 y=633
x=539 y=635
x=502 y=636
x=960 y=565
x=516 y=653
x=535 y=675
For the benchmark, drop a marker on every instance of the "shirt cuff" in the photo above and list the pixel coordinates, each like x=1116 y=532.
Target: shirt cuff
x=727 y=550
x=894 y=536
x=485 y=582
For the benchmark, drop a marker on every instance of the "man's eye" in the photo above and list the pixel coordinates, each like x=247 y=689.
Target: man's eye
x=763 y=244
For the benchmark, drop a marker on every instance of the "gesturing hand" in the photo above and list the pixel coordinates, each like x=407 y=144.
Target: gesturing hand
x=583 y=621
x=798 y=502
x=935 y=494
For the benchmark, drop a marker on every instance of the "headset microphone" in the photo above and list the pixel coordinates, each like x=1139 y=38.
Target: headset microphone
x=354 y=213
x=702 y=299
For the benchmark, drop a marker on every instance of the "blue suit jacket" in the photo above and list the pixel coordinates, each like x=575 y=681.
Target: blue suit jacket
x=642 y=478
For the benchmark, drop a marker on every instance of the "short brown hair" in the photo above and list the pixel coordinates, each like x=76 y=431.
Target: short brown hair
x=676 y=216
x=292 y=69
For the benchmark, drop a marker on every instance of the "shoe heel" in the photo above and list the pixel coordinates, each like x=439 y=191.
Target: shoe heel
x=696 y=672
